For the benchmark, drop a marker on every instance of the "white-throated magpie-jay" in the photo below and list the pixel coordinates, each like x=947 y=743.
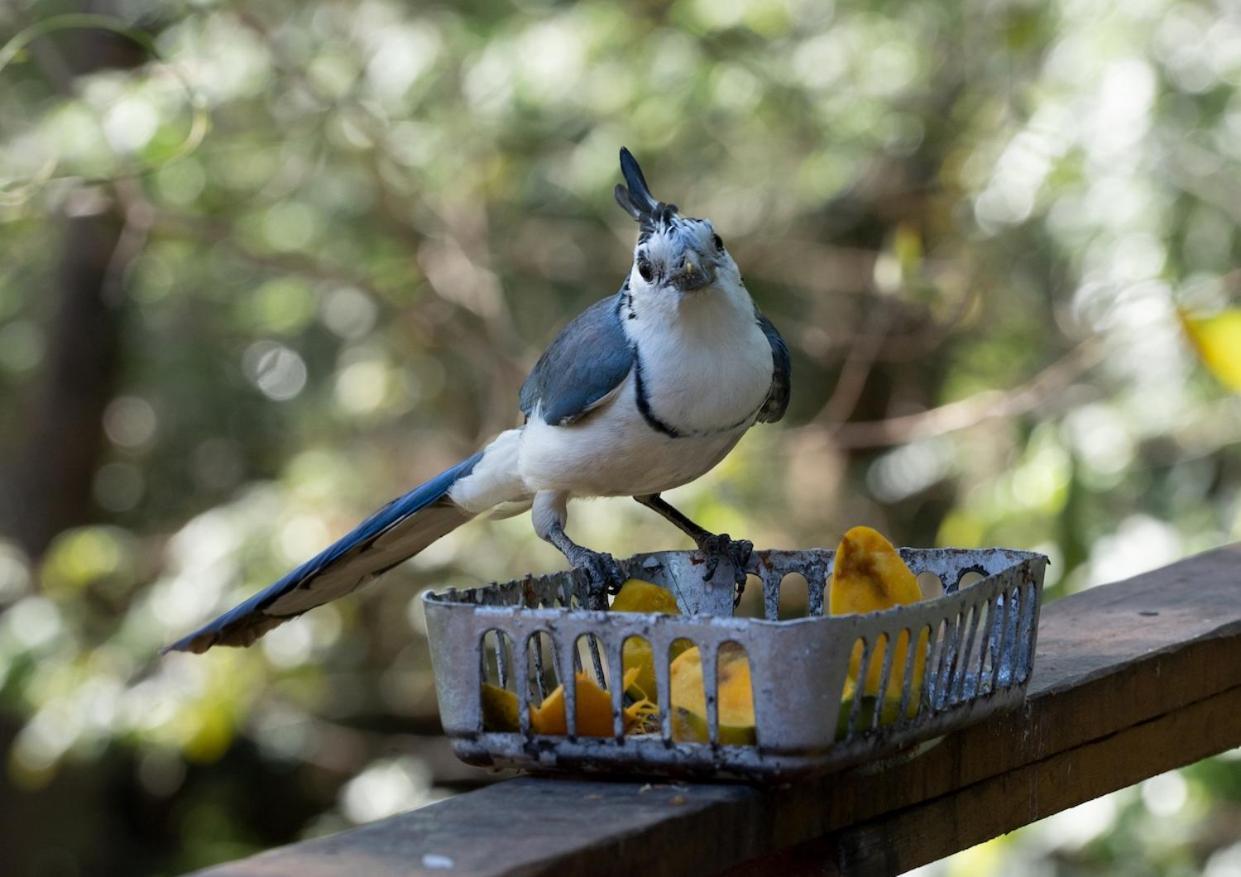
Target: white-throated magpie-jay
x=644 y=391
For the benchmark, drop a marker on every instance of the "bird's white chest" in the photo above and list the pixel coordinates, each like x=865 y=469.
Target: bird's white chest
x=707 y=372
x=703 y=375
x=615 y=452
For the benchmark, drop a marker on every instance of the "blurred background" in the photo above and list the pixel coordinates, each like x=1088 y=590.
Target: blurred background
x=264 y=266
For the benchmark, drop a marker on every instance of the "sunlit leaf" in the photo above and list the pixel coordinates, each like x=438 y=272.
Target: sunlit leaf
x=1217 y=341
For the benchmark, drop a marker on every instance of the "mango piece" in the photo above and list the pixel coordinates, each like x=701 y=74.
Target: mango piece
x=736 y=698
x=593 y=709
x=499 y=708
x=636 y=595
x=639 y=596
x=870 y=576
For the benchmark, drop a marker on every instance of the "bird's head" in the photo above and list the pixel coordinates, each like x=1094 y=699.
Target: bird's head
x=675 y=255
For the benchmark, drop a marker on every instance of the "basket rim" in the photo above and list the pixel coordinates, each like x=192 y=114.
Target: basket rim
x=455 y=597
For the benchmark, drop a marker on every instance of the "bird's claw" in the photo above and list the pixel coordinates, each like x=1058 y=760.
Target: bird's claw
x=603 y=576
x=737 y=551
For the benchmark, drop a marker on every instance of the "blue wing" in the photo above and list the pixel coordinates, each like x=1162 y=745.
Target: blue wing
x=588 y=360
x=396 y=532
x=781 y=378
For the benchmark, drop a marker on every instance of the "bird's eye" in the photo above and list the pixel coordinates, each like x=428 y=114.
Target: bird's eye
x=644 y=268
x=719 y=243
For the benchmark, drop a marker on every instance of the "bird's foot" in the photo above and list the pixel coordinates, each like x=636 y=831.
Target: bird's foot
x=603 y=575
x=720 y=547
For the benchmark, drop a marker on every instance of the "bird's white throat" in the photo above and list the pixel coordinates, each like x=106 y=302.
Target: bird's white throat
x=706 y=363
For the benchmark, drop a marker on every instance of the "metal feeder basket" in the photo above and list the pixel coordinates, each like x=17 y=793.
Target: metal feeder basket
x=974 y=644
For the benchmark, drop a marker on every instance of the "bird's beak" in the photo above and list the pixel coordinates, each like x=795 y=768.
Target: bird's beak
x=693 y=274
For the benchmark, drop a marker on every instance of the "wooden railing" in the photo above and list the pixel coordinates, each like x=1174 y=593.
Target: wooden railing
x=1130 y=680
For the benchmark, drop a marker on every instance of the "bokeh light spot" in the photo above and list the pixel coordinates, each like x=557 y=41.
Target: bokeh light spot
x=278 y=371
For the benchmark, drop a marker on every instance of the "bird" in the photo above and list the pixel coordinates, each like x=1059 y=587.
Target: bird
x=644 y=391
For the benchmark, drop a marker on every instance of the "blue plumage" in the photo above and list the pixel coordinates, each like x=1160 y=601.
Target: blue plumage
x=311 y=583
x=588 y=360
x=781 y=377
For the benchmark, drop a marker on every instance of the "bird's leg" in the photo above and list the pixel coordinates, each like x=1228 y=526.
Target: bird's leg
x=713 y=546
x=603 y=574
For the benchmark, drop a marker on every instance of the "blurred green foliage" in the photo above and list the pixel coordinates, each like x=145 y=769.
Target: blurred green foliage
x=974 y=222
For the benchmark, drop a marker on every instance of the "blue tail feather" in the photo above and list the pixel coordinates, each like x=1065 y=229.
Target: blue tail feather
x=247 y=621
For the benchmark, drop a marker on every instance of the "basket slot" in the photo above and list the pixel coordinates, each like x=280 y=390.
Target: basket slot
x=504 y=659
x=968 y=629
x=987 y=628
x=995 y=639
x=963 y=681
x=951 y=662
x=663 y=680
x=733 y=654
x=596 y=658
x=752 y=598
x=859 y=683
x=1002 y=642
x=956 y=674
x=591 y=720
x=794 y=596
x=640 y=653
x=910 y=696
x=1012 y=655
x=989 y=644
x=1029 y=612
x=935 y=661
x=494 y=671
x=930 y=585
x=968 y=577
x=495 y=656
x=884 y=645
x=591 y=645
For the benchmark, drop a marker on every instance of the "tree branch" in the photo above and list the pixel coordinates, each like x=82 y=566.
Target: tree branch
x=987 y=405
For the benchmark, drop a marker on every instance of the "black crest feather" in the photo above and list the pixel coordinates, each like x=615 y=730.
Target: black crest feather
x=636 y=199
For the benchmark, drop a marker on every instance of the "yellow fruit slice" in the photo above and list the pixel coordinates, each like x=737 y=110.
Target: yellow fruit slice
x=593 y=710
x=735 y=694
x=499 y=708
x=870 y=576
x=639 y=596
